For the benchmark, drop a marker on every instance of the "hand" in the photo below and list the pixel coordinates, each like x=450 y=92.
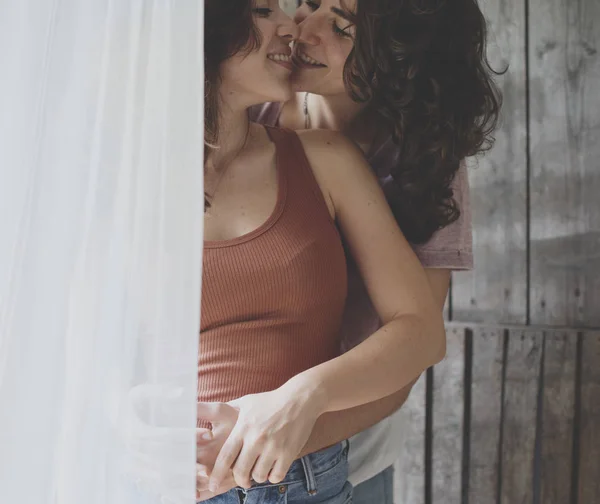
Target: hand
x=202 y=491
x=270 y=432
x=223 y=417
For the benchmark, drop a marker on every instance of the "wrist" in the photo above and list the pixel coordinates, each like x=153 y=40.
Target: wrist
x=309 y=391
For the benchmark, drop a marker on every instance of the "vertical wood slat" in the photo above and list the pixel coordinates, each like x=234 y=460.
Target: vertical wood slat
x=496 y=290
x=564 y=56
x=409 y=469
x=486 y=406
x=560 y=350
x=589 y=442
x=521 y=385
x=448 y=397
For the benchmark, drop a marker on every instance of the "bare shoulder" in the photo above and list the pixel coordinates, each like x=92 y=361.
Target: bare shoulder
x=333 y=156
x=339 y=166
x=329 y=145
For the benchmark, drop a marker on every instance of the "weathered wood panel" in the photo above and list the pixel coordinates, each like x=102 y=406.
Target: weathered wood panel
x=409 y=469
x=519 y=416
x=448 y=406
x=565 y=162
x=496 y=290
x=486 y=408
x=589 y=442
x=504 y=446
x=560 y=351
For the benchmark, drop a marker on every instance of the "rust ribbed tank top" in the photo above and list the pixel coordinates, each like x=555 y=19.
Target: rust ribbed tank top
x=273 y=299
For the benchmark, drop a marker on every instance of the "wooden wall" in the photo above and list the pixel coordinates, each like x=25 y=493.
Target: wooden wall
x=513 y=413
x=536 y=210
x=513 y=417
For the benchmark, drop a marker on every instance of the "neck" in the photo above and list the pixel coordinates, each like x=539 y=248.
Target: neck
x=336 y=112
x=340 y=113
x=233 y=132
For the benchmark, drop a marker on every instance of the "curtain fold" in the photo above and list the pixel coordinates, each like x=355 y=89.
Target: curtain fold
x=101 y=212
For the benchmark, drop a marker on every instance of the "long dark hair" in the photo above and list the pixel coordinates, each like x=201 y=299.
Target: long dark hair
x=228 y=29
x=422 y=66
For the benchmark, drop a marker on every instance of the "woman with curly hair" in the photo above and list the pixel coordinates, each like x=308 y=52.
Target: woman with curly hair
x=409 y=82
x=274 y=283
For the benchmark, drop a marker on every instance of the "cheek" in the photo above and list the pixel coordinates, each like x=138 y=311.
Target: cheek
x=242 y=73
x=338 y=52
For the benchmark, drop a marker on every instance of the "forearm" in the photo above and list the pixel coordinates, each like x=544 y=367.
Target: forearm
x=333 y=427
x=381 y=365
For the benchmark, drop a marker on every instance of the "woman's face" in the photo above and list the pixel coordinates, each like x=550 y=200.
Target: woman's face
x=324 y=44
x=264 y=74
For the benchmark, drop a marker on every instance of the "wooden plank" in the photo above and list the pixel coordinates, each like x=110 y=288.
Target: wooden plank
x=565 y=149
x=486 y=406
x=519 y=417
x=496 y=290
x=289 y=6
x=589 y=443
x=558 y=416
x=448 y=405
x=409 y=469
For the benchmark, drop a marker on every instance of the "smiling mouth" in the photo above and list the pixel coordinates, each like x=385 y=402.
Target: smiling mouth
x=283 y=60
x=280 y=57
x=305 y=61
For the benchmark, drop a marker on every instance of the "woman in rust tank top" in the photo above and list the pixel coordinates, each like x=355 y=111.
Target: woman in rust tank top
x=274 y=273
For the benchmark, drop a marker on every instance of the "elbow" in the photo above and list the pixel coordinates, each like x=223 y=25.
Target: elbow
x=435 y=335
x=440 y=347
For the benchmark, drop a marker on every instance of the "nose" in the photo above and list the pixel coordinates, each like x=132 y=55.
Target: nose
x=309 y=28
x=288 y=29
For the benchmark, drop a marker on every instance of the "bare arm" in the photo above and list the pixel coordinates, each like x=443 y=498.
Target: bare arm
x=331 y=428
x=412 y=336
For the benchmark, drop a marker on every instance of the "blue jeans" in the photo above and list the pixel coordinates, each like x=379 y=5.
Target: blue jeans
x=377 y=490
x=318 y=478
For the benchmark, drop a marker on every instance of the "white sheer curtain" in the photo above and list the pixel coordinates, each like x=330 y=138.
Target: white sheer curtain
x=101 y=204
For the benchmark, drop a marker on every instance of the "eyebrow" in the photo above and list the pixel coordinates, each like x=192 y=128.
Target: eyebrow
x=341 y=13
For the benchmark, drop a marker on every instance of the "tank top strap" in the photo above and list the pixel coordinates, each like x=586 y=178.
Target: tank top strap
x=303 y=185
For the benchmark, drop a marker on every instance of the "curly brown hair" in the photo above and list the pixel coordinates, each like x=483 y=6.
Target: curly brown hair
x=422 y=67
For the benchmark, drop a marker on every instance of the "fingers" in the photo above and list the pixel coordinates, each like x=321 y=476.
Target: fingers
x=217 y=412
x=280 y=469
x=202 y=495
x=201 y=478
x=225 y=460
x=203 y=436
x=246 y=460
x=263 y=467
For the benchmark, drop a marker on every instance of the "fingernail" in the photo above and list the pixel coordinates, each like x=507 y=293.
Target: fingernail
x=213 y=487
x=207 y=436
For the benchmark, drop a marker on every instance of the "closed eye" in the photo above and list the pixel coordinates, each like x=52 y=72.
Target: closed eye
x=339 y=31
x=262 y=12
